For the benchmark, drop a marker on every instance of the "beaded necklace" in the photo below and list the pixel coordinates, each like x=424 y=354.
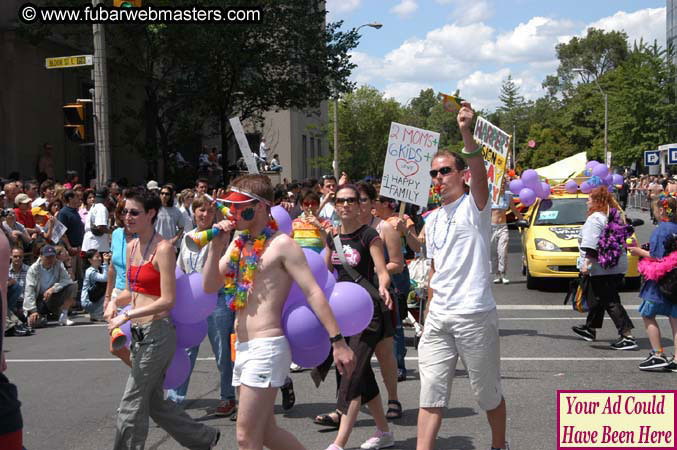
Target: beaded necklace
x=240 y=271
x=449 y=219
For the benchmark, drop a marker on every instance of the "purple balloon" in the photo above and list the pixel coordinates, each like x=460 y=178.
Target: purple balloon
x=617 y=179
x=282 y=218
x=530 y=179
x=311 y=357
x=516 y=185
x=585 y=187
x=178 y=272
x=178 y=370
x=190 y=335
x=545 y=190
x=609 y=180
x=329 y=285
x=302 y=327
x=600 y=170
x=591 y=164
x=352 y=306
x=527 y=197
x=192 y=303
x=571 y=187
x=317 y=266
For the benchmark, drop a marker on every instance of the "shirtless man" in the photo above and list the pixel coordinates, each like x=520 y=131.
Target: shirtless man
x=655 y=189
x=263 y=355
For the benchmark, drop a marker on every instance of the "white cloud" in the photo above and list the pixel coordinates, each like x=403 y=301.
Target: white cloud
x=527 y=42
x=403 y=92
x=405 y=8
x=647 y=24
x=482 y=88
x=465 y=12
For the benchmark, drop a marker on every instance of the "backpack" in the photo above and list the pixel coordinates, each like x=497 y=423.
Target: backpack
x=668 y=283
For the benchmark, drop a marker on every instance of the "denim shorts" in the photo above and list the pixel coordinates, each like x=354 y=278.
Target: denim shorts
x=653 y=309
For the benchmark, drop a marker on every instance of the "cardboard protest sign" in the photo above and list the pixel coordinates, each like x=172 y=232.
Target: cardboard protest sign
x=406 y=172
x=495 y=145
x=244 y=145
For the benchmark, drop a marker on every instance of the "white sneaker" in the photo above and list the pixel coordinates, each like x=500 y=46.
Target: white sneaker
x=505 y=281
x=64 y=320
x=379 y=440
x=295 y=367
x=498 y=280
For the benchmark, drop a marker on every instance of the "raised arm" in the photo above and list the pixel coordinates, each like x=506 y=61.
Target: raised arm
x=479 y=186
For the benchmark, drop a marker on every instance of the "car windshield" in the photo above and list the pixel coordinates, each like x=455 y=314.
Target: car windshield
x=562 y=211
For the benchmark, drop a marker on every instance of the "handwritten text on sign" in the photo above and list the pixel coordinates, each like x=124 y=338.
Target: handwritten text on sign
x=495 y=144
x=406 y=172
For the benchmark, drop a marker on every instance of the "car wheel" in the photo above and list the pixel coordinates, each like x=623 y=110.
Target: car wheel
x=532 y=283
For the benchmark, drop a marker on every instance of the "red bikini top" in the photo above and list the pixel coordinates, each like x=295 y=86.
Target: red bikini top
x=145 y=279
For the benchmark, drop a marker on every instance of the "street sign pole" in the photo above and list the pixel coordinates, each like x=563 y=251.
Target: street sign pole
x=101 y=131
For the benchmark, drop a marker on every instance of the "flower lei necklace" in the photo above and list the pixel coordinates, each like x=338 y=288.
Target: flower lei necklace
x=240 y=271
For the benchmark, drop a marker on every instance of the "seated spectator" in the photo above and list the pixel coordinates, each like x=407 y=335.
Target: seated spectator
x=23 y=212
x=16 y=232
x=15 y=285
x=275 y=163
x=49 y=290
x=94 y=284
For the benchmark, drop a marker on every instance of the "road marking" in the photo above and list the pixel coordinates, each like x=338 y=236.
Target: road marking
x=502 y=319
x=544 y=307
x=408 y=358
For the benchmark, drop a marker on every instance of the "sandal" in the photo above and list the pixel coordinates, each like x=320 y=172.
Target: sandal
x=288 y=397
x=394 y=411
x=328 y=420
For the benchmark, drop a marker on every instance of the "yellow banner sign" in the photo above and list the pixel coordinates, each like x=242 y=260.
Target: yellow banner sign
x=65 y=62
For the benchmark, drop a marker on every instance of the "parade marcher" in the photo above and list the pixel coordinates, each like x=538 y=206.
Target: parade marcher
x=219 y=322
x=654 y=302
x=606 y=281
x=499 y=233
x=117 y=274
x=169 y=223
x=308 y=230
x=263 y=354
x=151 y=288
x=363 y=250
x=461 y=318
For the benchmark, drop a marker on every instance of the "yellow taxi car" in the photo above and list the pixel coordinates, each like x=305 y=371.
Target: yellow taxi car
x=550 y=236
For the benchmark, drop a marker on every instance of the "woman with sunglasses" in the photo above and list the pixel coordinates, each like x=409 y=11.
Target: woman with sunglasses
x=308 y=230
x=363 y=250
x=169 y=223
x=151 y=289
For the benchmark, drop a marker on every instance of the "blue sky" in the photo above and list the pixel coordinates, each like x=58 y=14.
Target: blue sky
x=473 y=45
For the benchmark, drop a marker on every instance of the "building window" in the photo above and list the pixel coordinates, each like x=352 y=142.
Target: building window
x=304 y=156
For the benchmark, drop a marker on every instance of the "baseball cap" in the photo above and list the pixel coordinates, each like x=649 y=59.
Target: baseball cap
x=22 y=199
x=48 y=250
x=38 y=211
x=152 y=185
x=38 y=202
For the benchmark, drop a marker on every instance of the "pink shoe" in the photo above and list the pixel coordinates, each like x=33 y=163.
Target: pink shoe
x=334 y=447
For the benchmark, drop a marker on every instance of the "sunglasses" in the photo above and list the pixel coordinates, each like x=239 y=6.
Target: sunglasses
x=131 y=212
x=165 y=193
x=346 y=200
x=443 y=170
x=311 y=204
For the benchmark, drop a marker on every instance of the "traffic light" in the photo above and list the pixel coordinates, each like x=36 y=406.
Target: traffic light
x=127 y=3
x=74 y=121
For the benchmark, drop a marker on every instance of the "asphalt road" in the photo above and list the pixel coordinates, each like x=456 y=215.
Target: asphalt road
x=70 y=386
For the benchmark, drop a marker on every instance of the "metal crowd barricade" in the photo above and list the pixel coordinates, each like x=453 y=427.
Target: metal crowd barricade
x=639 y=199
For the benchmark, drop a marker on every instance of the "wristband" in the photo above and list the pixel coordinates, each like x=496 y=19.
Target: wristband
x=334 y=339
x=477 y=152
x=126 y=313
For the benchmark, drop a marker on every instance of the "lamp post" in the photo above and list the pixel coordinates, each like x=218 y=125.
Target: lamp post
x=335 y=165
x=607 y=158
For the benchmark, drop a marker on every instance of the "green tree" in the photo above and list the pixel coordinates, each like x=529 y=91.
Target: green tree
x=364 y=123
x=598 y=53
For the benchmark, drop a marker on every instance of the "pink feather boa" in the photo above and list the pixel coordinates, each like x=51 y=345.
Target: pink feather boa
x=655 y=269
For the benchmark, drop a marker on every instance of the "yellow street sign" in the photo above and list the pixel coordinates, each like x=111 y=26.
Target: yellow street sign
x=65 y=62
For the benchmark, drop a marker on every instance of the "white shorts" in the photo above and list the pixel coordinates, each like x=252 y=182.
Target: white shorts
x=262 y=362
x=473 y=337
